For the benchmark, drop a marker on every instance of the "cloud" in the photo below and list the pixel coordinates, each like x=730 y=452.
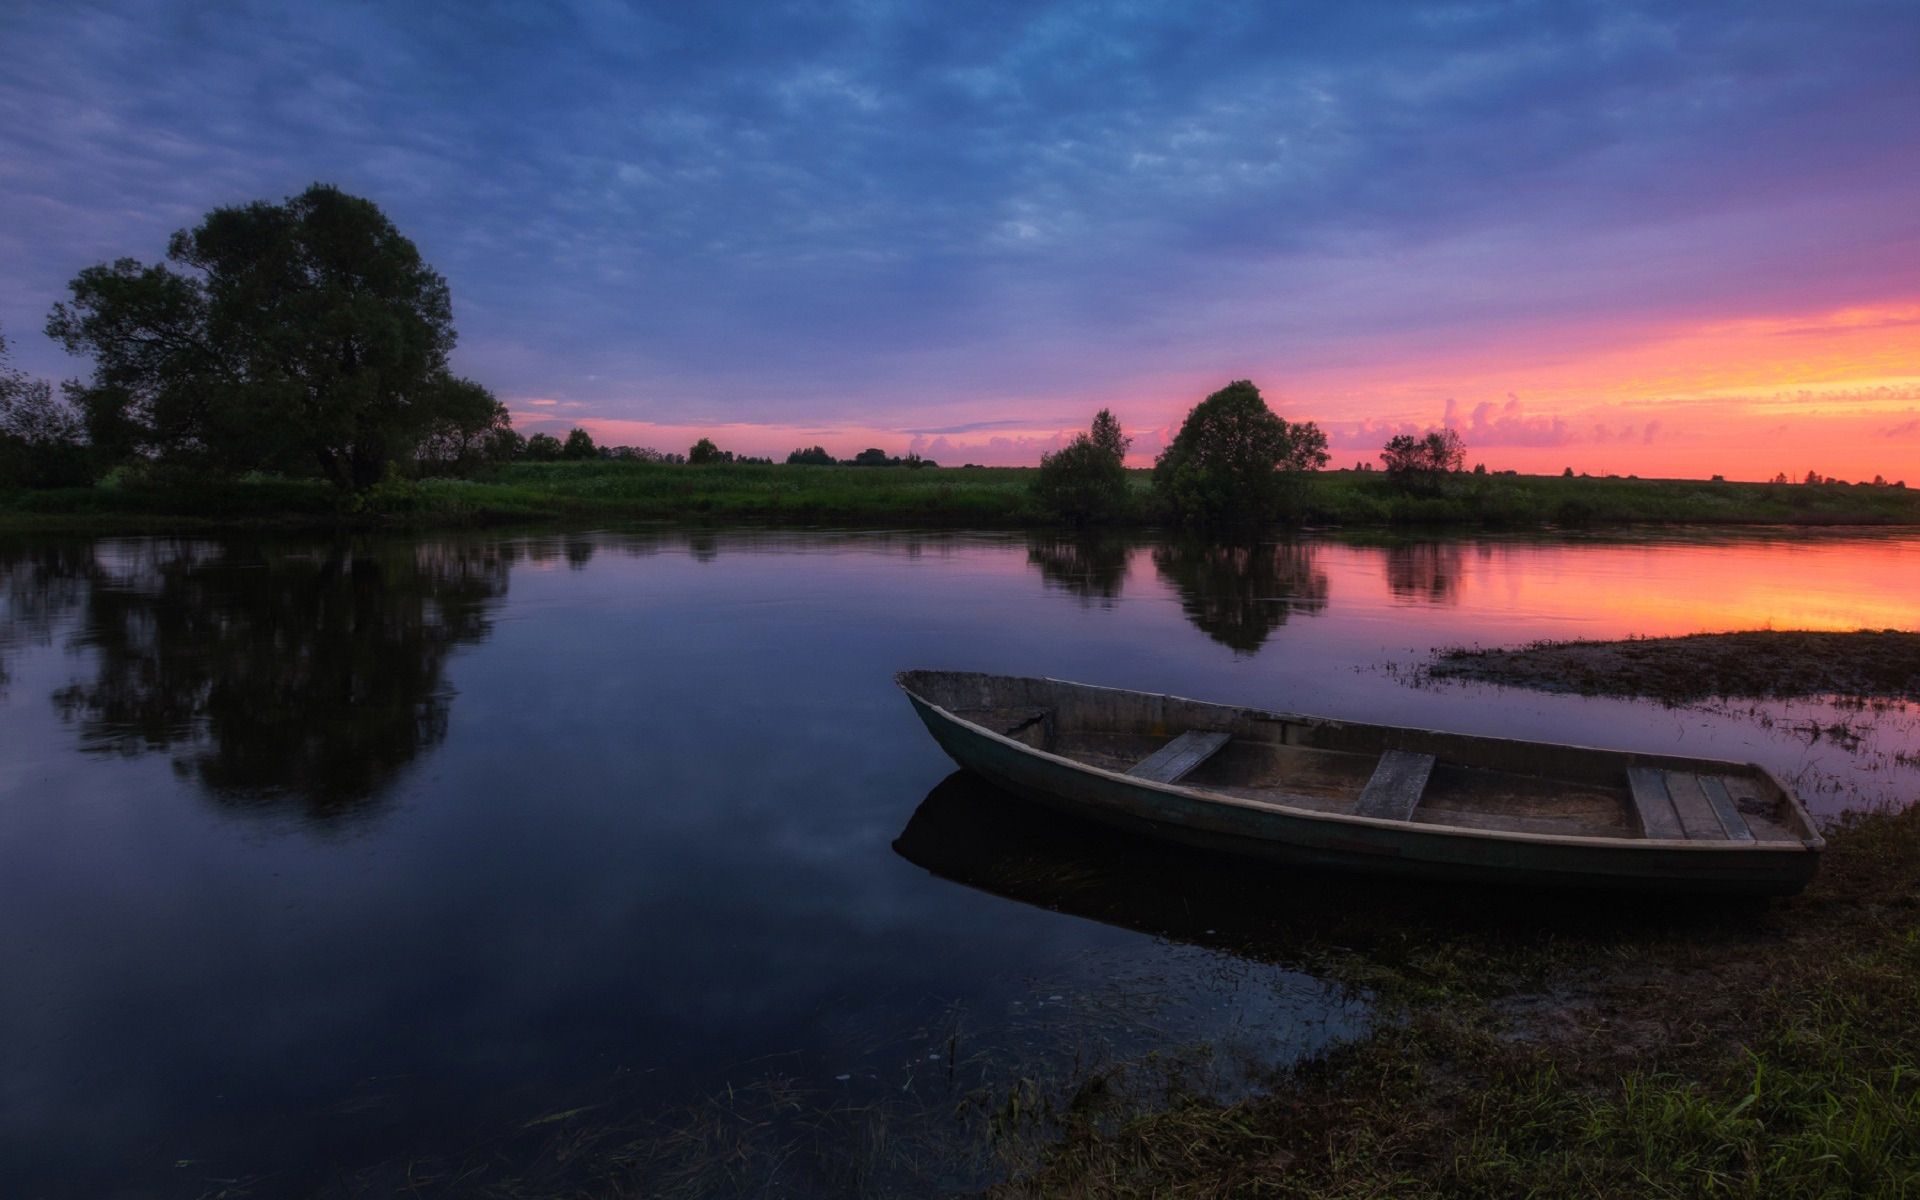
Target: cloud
x=1509 y=425
x=885 y=216
x=1002 y=451
x=1006 y=423
x=1902 y=430
x=1369 y=434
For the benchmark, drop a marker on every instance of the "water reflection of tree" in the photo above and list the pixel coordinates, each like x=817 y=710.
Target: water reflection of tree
x=1425 y=571
x=40 y=584
x=302 y=678
x=1239 y=594
x=1092 y=567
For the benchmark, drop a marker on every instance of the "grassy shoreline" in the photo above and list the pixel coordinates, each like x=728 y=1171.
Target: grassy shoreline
x=1760 y=1050
x=990 y=497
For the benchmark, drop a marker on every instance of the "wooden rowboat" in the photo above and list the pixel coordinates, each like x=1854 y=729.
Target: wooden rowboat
x=1318 y=792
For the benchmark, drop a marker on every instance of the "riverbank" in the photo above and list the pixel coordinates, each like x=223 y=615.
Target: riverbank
x=1767 y=1049
x=976 y=497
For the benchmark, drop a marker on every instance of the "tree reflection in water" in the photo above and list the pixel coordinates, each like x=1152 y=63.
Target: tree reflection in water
x=1425 y=571
x=1239 y=594
x=41 y=583
x=281 y=677
x=1091 y=566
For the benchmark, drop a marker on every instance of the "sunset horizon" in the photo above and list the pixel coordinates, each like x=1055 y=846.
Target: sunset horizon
x=1618 y=240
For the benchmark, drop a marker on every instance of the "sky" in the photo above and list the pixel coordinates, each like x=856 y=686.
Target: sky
x=1654 y=239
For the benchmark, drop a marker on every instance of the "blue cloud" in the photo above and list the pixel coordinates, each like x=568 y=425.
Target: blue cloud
x=864 y=211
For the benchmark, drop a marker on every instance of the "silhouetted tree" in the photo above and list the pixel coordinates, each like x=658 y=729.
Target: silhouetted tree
x=543 y=447
x=704 y=452
x=1239 y=594
x=1086 y=480
x=43 y=442
x=308 y=334
x=579 y=445
x=814 y=457
x=1420 y=463
x=473 y=429
x=1234 y=461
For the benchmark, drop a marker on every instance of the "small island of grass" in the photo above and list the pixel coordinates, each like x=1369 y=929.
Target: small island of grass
x=1760 y=664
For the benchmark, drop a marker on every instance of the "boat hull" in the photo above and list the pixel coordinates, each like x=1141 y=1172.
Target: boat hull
x=1311 y=839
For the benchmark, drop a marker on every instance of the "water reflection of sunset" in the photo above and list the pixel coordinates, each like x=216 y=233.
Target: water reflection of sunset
x=1525 y=588
x=1652 y=588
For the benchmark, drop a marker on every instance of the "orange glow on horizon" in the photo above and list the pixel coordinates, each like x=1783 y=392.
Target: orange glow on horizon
x=1836 y=392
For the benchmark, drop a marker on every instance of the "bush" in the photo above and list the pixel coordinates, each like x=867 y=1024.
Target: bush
x=873 y=456
x=1236 y=462
x=472 y=430
x=42 y=439
x=645 y=454
x=1419 y=464
x=1085 y=481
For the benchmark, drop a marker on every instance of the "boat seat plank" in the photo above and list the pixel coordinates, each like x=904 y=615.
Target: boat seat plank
x=1658 y=820
x=1179 y=756
x=1394 y=791
x=1725 y=808
x=1697 y=818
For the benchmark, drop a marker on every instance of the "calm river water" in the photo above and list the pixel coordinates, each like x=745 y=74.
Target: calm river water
x=319 y=857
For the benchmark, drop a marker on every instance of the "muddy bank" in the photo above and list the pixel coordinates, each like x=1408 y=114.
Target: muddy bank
x=1761 y=664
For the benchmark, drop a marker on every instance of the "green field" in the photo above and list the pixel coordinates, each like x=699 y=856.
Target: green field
x=976 y=497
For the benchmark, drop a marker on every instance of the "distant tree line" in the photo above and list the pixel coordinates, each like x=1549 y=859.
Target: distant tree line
x=704 y=453
x=43 y=441
x=872 y=456
x=1234 y=462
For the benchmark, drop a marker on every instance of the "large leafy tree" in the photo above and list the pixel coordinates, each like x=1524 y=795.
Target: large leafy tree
x=1234 y=461
x=304 y=334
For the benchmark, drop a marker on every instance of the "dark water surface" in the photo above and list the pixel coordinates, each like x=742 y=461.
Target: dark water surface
x=316 y=856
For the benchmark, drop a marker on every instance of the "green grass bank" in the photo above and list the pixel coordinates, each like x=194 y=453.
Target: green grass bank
x=1590 y=1050
x=943 y=496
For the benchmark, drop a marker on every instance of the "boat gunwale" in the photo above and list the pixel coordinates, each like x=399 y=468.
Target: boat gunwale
x=1808 y=845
